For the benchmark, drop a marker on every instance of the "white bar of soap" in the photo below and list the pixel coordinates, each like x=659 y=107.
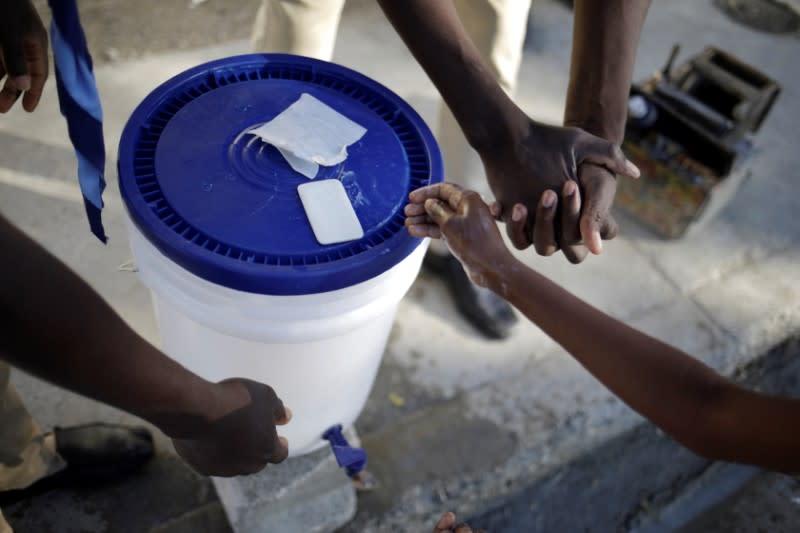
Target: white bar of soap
x=330 y=212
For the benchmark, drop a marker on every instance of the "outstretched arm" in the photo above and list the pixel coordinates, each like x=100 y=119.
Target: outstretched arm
x=522 y=158
x=56 y=327
x=695 y=405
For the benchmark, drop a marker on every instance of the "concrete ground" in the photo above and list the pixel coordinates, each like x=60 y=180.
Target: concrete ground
x=482 y=423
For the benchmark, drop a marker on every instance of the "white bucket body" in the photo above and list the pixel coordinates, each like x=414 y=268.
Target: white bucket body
x=320 y=352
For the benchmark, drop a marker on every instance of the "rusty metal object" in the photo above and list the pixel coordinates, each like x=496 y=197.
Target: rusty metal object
x=693 y=154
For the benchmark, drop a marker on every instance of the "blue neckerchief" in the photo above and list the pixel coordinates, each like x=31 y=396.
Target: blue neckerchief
x=80 y=105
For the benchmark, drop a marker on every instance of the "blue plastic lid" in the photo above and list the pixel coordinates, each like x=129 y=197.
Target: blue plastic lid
x=224 y=205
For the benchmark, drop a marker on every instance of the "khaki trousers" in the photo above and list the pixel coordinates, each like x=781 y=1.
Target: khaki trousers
x=26 y=453
x=497 y=27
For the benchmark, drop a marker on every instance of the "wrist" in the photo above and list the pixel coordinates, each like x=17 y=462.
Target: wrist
x=500 y=277
x=499 y=130
x=612 y=130
x=186 y=406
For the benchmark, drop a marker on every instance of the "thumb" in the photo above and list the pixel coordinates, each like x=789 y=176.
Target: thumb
x=599 y=190
x=438 y=211
x=592 y=149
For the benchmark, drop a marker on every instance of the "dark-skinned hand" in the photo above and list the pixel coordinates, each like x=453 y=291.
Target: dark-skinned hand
x=544 y=158
x=244 y=439
x=464 y=221
x=553 y=225
x=23 y=54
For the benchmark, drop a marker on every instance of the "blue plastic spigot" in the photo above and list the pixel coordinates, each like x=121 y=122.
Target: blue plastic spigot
x=352 y=459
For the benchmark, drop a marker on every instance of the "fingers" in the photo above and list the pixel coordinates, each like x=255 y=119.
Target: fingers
x=496 y=210
x=570 y=242
x=281 y=451
x=419 y=223
x=14 y=60
x=35 y=52
x=423 y=231
x=570 y=213
x=516 y=227
x=544 y=231
x=446 y=192
x=280 y=416
x=610 y=229
x=16 y=69
x=423 y=220
x=600 y=186
x=575 y=253
x=9 y=94
x=439 y=211
x=547 y=239
x=592 y=149
x=433 y=206
x=420 y=220
x=283 y=415
x=414 y=210
x=446 y=522
x=430 y=207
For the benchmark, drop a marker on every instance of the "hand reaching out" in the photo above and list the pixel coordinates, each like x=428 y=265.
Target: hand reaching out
x=462 y=218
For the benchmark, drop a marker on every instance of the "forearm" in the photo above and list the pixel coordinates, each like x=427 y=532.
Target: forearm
x=662 y=383
x=688 y=400
x=56 y=327
x=604 y=44
x=437 y=39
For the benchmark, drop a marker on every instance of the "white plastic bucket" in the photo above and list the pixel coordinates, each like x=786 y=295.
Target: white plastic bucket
x=320 y=352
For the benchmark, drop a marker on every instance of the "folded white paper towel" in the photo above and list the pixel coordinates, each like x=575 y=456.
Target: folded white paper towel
x=330 y=212
x=310 y=133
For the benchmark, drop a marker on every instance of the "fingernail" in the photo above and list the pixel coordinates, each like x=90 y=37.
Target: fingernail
x=569 y=189
x=516 y=215
x=633 y=170
x=22 y=83
x=598 y=242
x=549 y=199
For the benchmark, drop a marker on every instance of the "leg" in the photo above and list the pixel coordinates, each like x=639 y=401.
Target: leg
x=26 y=454
x=32 y=461
x=302 y=27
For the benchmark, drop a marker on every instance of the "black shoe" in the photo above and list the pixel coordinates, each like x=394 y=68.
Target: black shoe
x=486 y=311
x=95 y=454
